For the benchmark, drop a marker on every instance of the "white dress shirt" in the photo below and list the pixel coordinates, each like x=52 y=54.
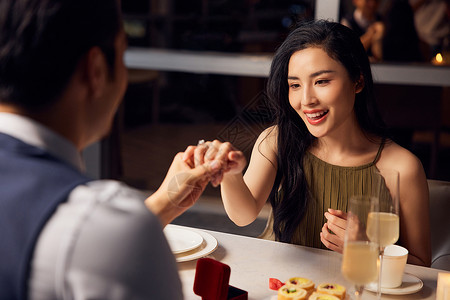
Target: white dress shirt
x=103 y=243
x=431 y=21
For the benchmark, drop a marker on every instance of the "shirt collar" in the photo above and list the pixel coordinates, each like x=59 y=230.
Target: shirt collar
x=36 y=134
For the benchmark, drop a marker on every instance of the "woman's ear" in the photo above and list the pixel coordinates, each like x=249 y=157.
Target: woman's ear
x=359 y=84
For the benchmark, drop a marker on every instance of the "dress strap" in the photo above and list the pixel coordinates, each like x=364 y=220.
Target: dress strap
x=379 y=151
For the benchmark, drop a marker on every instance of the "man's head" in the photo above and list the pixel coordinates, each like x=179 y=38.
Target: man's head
x=42 y=42
x=368 y=8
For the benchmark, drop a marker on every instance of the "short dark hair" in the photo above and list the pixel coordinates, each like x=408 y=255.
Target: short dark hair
x=42 y=41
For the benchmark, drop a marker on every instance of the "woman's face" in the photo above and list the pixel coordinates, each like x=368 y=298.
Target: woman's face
x=321 y=92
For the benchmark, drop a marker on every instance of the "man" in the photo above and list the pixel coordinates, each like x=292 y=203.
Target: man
x=366 y=22
x=432 y=21
x=63 y=235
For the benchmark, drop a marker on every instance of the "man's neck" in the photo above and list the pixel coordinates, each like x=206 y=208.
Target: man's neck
x=58 y=122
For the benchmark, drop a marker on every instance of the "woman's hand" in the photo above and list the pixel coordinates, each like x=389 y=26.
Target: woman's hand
x=333 y=231
x=229 y=159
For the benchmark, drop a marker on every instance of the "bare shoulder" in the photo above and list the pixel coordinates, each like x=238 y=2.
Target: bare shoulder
x=269 y=132
x=265 y=147
x=267 y=140
x=396 y=157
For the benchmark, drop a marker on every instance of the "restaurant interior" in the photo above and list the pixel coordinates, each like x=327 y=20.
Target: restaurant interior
x=169 y=106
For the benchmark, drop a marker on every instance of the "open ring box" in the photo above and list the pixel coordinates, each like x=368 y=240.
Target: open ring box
x=212 y=281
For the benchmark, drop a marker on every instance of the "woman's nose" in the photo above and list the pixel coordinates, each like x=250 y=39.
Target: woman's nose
x=308 y=97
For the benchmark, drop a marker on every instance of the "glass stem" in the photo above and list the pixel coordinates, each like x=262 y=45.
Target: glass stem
x=358 y=291
x=379 y=274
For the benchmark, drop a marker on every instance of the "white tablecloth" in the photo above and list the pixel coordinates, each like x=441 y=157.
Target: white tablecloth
x=253 y=261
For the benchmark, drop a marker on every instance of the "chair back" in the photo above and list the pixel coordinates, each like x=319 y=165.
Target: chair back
x=440 y=223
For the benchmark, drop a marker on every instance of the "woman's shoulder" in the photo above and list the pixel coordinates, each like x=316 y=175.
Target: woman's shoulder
x=271 y=131
x=268 y=136
x=398 y=157
x=267 y=141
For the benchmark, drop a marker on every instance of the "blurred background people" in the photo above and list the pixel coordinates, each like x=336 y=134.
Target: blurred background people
x=400 y=42
x=366 y=21
x=433 y=24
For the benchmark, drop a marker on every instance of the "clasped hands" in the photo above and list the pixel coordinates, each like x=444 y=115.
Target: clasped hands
x=220 y=157
x=189 y=174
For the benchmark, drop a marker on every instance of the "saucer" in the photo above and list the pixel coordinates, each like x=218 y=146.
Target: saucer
x=410 y=284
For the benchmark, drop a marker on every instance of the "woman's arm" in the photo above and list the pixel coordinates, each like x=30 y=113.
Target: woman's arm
x=245 y=196
x=414 y=204
x=414 y=214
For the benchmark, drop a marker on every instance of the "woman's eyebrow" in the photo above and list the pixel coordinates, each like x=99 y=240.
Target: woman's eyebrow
x=313 y=74
x=321 y=72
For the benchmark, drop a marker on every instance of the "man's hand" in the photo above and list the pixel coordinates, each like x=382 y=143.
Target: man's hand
x=180 y=189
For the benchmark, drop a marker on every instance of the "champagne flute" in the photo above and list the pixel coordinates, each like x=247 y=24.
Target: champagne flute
x=361 y=251
x=386 y=188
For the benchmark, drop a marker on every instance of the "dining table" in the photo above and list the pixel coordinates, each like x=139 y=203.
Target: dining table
x=253 y=261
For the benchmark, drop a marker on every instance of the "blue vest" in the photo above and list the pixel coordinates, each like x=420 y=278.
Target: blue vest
x=32 y=184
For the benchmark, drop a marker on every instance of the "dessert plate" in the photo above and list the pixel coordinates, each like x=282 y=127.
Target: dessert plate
x=182 y=240
x=410 y=284
x=208 y=246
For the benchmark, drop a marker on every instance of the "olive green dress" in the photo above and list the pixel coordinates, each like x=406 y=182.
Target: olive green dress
x=330 y=187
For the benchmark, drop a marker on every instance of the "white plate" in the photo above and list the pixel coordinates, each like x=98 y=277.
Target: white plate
x=182 y=240
x=410 y=284
x=208 y=246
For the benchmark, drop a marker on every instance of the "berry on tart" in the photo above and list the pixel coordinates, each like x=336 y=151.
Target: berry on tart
x=332 y=289
x=304 y=283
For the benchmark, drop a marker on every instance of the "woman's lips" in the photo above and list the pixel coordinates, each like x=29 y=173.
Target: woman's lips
x=316 y=117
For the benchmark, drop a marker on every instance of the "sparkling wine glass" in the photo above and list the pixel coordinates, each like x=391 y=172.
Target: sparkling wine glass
x=386 y=188
x=361 y=250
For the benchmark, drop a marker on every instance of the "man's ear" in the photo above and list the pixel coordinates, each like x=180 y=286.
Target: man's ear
x=359 y=84
x=96 y=71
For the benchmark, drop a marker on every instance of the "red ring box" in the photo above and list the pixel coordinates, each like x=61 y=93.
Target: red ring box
x=212 y=281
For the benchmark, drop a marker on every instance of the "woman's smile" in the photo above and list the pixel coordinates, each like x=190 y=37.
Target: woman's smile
x=316 y=117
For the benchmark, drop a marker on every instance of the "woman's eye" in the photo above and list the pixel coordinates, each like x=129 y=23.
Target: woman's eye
x=322 y=81
x=294 y=85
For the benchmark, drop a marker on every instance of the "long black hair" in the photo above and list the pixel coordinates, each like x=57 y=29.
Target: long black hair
x=294 y=139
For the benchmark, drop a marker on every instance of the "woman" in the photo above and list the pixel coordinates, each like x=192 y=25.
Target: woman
x=327 y=131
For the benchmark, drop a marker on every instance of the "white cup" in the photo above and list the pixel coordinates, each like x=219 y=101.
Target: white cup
x=394 y=262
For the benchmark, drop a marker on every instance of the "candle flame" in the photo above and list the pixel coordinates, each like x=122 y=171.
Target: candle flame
x=439 y=58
